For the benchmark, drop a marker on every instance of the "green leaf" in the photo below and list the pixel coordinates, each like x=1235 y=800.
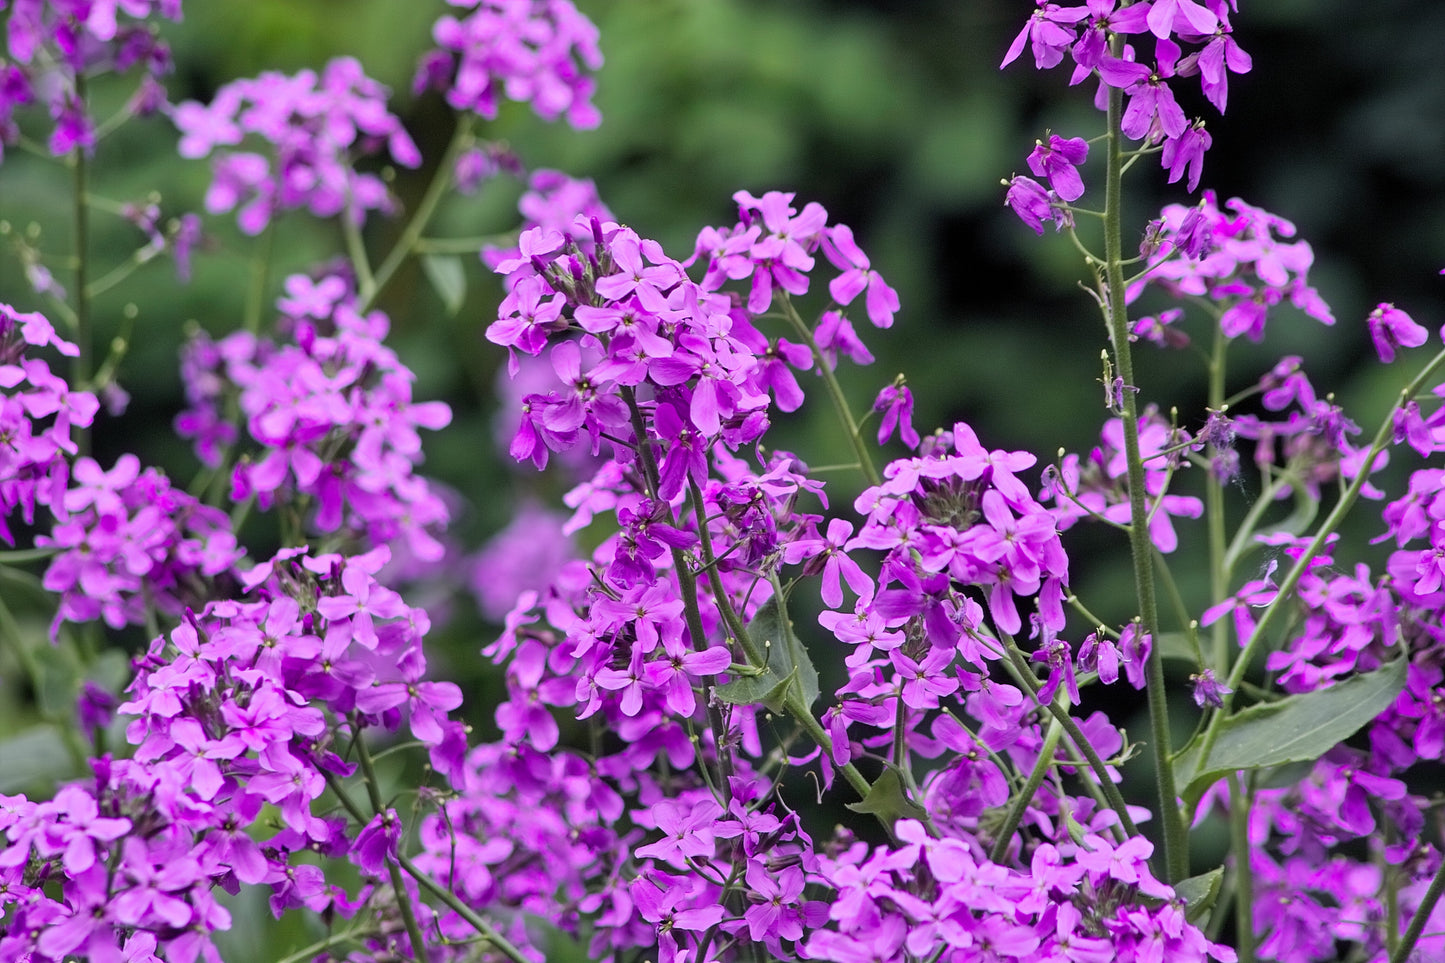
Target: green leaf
x=37 y=757
x=1282 y=777
x=788 y=670
x=111 y=669
x=888 y=801
x=1306 y=508
x=1297 y=728
x=57 y=683
x=1178 y=647
x=775 y=675
x=1199 y=893
x=797 y=652
x=448 y=277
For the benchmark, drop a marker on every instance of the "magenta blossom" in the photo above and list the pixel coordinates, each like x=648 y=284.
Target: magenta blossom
x=1058 y=160
x=1389 y=327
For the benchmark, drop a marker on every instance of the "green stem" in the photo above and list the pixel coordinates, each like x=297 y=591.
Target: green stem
x=406 y=243
x=398 y=885
x=260 y=270
x=1176 y=839
x=1392 y=892
x=1019 y=668
x=1327 y=528
x=835 y=391
x=719 y=594
x=804 y=714
x=1239 y=805
x=322 y=945
x=1421 y=917
x=121 y=271
x=1219 y=569
x=84 y=335
x=356 y=251
x=1026 y=795
x=488 y=932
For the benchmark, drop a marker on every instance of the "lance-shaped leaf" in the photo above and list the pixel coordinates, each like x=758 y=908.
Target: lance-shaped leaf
x=1199 y=894
x=888 y=800
x=788 y=670
x=1297 y=728
x=448 y=277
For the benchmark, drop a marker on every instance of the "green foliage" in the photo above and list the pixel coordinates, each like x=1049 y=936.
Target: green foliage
x=1296 y=728
x=788 y=670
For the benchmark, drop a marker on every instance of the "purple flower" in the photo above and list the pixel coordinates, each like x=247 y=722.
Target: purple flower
x=1058 y=161
x=1031 y=203
x=840 y=248
x=536 y=52
x=896 y=403
x=1391 y=327
x=687 y=828
x=829 y=556
x=1208 y=690
x=315 y=126
x=1051 y=30
x=1134 y=646
x=376 y=844
x=1187 y=152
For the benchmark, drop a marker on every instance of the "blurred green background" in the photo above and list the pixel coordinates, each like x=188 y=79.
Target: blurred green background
x=896 y=118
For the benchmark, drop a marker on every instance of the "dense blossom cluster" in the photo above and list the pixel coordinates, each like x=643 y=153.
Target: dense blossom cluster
x=663 y=721
x=130 y=545
x=54 y=44
x=536 y=52
x=331 y=410
x=38 y=411
x=250 y=703
x=636 y=344
x=1188 y=38
x=314 y=127
x=1239 y=257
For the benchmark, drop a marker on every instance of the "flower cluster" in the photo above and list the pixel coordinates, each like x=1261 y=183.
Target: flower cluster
x=130 y=546
x=1077 y=900
x=658 y=718
x=1190 y=38
x=533 y=51
x=333 y=414
x=641 y=348
x=248 y=704
x=1307 y=839
x=702 y=370
x=314 y=128
x=54 y=43
x=38 y=411
x=1239 y=257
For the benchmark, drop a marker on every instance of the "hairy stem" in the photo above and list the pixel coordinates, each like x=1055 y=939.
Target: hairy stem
x=81 y=368
x=403 y=898
x=1214 y=513
x=1176 y=839
x=1239 y=806
x=1026 y=795
x=1421 y=917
